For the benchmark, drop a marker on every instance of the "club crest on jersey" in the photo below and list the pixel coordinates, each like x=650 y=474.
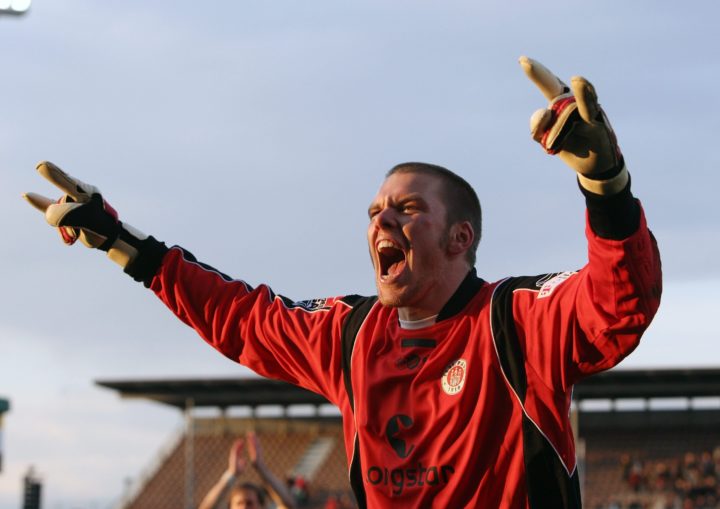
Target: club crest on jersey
x=453 y=378
x=549 y=285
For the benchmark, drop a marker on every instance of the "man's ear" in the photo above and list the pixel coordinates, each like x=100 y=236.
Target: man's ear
x=460 y=238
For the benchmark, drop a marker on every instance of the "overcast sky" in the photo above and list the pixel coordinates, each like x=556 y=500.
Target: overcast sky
x=256 y=133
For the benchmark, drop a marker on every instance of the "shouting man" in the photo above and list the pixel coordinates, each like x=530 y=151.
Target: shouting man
x=454 y=391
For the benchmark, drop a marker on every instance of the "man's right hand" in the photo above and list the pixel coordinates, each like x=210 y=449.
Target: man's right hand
x=236 y=461
x=82 y=213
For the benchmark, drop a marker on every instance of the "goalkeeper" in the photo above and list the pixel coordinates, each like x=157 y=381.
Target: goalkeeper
x=454 y=391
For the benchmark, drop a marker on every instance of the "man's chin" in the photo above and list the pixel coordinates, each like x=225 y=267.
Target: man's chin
x=390 y=302
x=391 y=297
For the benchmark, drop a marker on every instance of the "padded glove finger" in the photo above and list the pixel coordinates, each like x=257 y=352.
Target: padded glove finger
x=550 y=85
x=42 y=203
x=79 y=191
x=38 y=201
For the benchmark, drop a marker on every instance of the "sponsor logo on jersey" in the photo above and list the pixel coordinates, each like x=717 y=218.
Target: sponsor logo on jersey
x=415 y=475
x=393 y=431
x=453 y=378
x=548 y=287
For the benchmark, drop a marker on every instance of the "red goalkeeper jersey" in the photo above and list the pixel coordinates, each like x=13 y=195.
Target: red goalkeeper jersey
x=469 y=412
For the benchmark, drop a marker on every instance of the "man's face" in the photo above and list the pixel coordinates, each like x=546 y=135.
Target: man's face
x=244 y=499
x=407 y=237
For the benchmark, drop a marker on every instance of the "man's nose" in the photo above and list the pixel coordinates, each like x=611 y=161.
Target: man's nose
x=386 y=217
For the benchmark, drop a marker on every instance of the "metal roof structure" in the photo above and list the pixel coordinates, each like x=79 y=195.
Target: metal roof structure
x=650 y=383
x=215 y=392
x=253 y=392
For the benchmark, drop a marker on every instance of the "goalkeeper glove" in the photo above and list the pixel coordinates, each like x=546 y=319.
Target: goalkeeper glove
x=575 y=127
x=82 y=213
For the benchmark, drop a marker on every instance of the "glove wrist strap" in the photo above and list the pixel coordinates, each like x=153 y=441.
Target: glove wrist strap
x=606 y=187
x=126 y=246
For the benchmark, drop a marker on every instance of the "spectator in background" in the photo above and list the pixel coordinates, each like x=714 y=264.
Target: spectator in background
x=339 y=501
x=688 y=481
x=299 y=491
x=247 y=495
x=707 y=465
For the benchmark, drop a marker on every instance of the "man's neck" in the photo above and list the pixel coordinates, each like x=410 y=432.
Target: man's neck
x=435 y=302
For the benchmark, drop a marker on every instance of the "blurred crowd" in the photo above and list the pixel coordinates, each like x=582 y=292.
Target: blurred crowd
x=233 y=491
x=689 y=481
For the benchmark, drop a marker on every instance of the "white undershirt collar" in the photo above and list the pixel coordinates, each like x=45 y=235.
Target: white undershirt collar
x=418 y=324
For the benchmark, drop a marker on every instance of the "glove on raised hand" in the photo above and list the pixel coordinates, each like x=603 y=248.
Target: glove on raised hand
x=82 y=213
x=575 y=127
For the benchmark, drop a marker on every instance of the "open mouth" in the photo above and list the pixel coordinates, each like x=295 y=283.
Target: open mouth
x=391 y=259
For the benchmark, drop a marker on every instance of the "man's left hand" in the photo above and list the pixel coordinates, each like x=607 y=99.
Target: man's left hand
x=575 y=127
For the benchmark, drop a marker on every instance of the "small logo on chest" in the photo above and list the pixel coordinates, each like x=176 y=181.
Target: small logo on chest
x=453 y=378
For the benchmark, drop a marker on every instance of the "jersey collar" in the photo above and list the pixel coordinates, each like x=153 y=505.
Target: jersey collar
x=465 y=292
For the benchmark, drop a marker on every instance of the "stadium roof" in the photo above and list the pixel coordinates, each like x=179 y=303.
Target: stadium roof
x=650 y=383
x=253 y=392
x=212 y=392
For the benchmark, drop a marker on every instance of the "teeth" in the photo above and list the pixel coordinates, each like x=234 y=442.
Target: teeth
x=384 y=244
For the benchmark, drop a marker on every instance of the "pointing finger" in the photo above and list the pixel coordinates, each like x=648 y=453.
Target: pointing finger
x=550 y=85
x=38 y=201
x=65 y=182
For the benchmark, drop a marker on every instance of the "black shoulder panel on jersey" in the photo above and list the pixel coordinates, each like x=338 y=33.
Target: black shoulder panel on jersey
x=512 y=358
x=351 y=327
x=466 y=291
x=548 y=482
x=361 y=306
x=355 y=300
x=148 y=260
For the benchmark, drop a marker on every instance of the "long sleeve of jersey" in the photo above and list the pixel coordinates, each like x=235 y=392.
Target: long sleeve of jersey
x=272 y=335
x=574 y=324
x=550 y=331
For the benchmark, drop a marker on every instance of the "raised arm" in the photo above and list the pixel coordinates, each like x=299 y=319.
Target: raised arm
x=276 y=337
x=275 y=487
x=580 y=322
x=236 y=465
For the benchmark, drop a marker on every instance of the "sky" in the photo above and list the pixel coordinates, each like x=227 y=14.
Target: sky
x=255 y=135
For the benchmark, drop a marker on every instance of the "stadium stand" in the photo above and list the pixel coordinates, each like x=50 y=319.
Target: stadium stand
x=306 y=450
x=646 y=460
x=629 y=459
x=285 y=442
